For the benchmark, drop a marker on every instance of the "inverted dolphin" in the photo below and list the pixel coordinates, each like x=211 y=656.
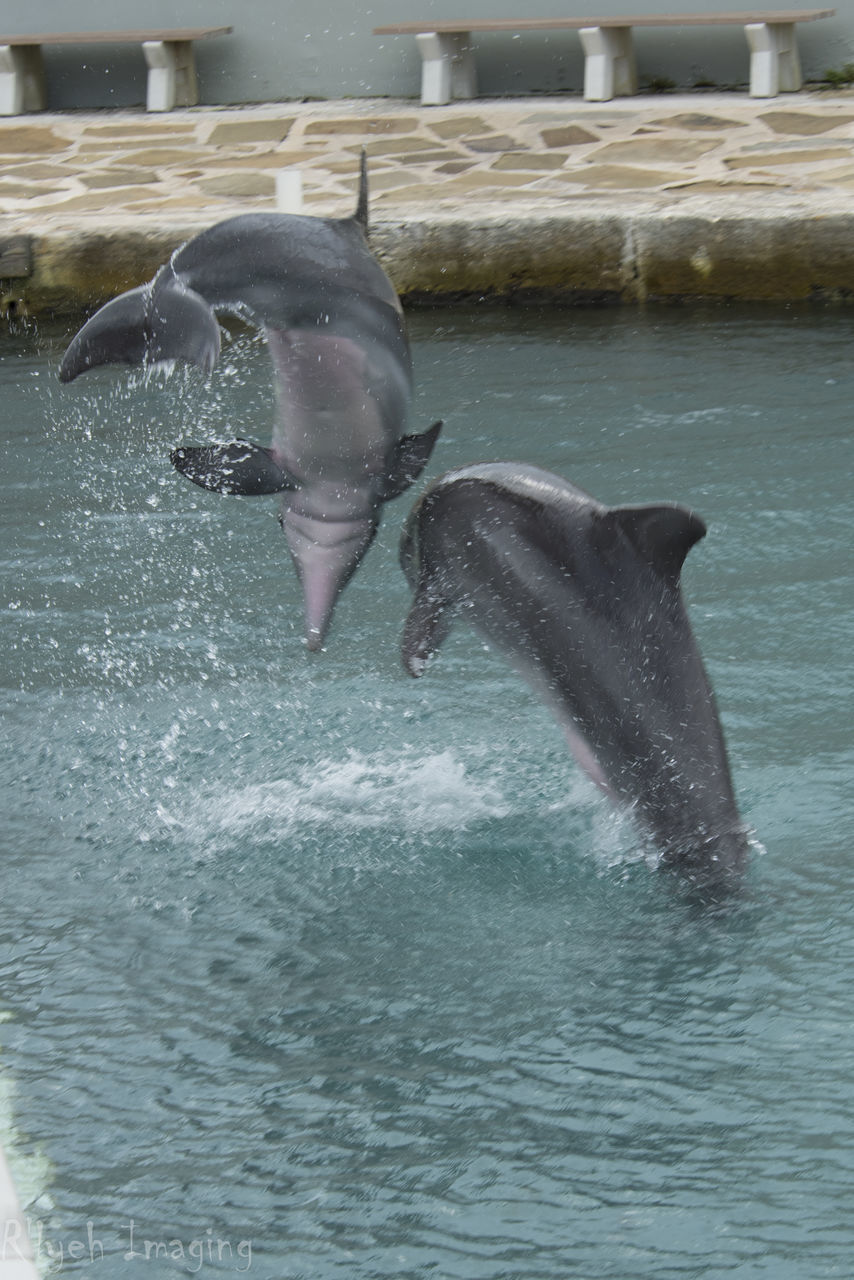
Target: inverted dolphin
x=585 y=600
x=342 y=368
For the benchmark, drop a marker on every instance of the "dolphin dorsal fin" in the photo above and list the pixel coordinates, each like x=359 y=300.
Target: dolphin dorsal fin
x=361 y=214
x=663 y=534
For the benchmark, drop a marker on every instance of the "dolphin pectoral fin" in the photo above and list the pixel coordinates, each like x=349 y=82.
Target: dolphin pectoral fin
x=663 y=534
x=410 y=459
x=427 y=625
x=240 y=467
x=163 y=320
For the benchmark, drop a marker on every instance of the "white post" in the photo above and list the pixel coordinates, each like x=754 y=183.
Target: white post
x=791 y=78
x=22 y=86
x=764 y=65
x=774 y=63
x=609 y=62
x=289 y=191
x=171 y=74
x=447 y=67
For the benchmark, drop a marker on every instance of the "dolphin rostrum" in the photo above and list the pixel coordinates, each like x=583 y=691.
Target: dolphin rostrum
x=585 y=601
x=335 y=333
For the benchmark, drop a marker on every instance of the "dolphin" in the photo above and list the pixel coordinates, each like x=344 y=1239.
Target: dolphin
x=342 y=369
x=585 y=601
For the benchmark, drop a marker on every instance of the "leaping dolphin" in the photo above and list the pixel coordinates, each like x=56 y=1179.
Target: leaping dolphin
x=335 y=332
x=585 y=600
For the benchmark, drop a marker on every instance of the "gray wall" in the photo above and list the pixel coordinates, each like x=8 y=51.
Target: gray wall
x=292 y=49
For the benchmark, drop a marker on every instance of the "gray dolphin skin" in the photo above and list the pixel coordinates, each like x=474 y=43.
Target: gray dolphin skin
x=342 y=368
x=585 y=601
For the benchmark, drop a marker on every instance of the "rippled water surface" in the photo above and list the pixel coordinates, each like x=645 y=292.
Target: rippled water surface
x=313 y=971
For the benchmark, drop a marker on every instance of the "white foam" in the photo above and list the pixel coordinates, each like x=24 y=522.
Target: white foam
x=404 y=797
x=407 y=793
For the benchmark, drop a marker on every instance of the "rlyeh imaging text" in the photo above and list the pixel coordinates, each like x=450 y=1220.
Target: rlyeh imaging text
x=31 y=1240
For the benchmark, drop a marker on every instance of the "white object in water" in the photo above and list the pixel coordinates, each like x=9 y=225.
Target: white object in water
x=289 y=191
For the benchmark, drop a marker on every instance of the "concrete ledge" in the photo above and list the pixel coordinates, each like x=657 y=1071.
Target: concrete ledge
x=776 y=254
x=74 y=270
x=783 y=251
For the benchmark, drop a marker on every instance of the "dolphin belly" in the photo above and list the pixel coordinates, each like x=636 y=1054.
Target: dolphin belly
x=339 y=406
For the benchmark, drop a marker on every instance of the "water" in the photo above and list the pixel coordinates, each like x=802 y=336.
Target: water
x=313 y=971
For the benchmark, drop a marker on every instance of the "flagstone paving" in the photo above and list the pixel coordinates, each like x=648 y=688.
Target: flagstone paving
x=211 y=163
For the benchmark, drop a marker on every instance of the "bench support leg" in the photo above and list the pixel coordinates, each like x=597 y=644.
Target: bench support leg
x=774 y=63
x=21 y=79
x=171 y=74
x=447 y=67
x=609 y=62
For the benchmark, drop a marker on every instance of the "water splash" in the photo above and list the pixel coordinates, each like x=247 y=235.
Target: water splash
x=412 y=793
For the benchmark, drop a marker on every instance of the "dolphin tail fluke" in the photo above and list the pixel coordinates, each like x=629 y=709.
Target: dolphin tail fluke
x=412 y=455
x=240 y=467
x=160 y=321
x=182 y=324
x=114 y=335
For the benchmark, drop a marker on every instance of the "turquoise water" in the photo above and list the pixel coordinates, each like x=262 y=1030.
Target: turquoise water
x=311 y=970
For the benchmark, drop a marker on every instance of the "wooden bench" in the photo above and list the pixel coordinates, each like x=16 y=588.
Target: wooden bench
x=448 y=69
x=168 y=54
